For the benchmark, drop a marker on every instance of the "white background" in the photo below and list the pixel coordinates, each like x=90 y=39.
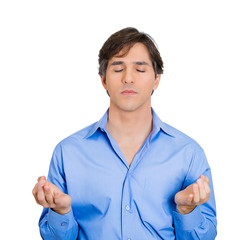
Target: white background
x=50 y=88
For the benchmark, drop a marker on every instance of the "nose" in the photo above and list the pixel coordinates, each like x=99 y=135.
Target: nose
x=127 y=77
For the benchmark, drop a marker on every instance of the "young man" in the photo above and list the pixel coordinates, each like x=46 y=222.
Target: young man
x=129 y=176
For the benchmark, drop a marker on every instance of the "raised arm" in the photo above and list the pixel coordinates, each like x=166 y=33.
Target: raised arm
x=195 y=218
x=57 y=220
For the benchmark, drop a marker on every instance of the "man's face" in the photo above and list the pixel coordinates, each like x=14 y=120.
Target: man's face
x=131 y=79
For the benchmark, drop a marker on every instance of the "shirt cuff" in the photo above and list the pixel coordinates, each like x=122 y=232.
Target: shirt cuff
x=188 y=221
x=60 y=222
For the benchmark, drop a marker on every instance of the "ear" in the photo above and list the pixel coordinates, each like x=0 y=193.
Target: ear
x=156 y=81
x=103 y=80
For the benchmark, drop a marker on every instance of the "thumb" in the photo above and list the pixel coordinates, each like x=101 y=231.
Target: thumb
x=42 y=178
x=190 y=198
x=57 y=196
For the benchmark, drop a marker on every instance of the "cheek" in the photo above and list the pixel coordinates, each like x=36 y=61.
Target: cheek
x=147 y=82
x=112 y=83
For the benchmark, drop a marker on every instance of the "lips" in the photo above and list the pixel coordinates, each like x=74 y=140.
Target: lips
x=128 y=91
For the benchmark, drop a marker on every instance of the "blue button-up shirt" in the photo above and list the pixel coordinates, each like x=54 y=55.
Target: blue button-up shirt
x=112 y=200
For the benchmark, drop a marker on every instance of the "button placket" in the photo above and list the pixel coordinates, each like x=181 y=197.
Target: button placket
x=126 y=208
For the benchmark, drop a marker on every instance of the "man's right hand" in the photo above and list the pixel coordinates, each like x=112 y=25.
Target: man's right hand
x=48 y=195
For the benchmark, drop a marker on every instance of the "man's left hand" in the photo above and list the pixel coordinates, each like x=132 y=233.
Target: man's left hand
x=195 y=194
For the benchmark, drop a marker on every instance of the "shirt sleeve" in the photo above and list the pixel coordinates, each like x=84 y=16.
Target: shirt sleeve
x=53 y=225
x=201 y=223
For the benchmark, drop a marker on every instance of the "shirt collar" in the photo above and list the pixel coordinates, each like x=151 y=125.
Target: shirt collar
x=157 y=125
x=101 y=124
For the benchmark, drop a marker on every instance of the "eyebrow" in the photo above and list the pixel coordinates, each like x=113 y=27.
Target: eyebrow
x=117 y=63
x=141 y=63
x=121 y=63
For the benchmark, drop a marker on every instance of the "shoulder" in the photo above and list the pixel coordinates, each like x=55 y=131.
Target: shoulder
x=180 y=138
x=76 y=138
x=193 y=153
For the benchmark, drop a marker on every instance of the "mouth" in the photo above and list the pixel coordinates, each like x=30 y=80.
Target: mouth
x=128 y=92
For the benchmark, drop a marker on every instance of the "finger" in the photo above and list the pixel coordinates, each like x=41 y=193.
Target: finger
x=191 y=198
x=41 y=178
x=35 y=190
x=206 y=183
x=207 y=188
x=41 y=196
x=204 y=178
x=41 y=182
x=57 y=197
x=196 y=193
x=202 y=191
x=48 y=195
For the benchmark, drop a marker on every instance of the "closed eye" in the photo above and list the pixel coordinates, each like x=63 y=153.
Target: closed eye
x=118 y=70
x=140 y=70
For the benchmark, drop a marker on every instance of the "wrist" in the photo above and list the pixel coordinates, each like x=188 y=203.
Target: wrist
x=62 y=211
x=185 y=209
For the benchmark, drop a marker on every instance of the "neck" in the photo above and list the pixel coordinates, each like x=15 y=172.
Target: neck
x=133 y=125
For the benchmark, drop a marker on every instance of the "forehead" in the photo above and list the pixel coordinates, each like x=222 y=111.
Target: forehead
x=138 y=52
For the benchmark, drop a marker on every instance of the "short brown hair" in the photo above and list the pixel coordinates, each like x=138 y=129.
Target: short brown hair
x=125 y=39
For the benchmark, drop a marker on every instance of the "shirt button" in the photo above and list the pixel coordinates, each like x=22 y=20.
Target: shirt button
x=128 y=208
x=63 y=224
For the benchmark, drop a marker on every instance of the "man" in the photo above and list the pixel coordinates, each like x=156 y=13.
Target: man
x=128 y=176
